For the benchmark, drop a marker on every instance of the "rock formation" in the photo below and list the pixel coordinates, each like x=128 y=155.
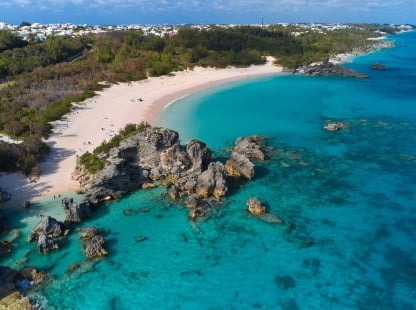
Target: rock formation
x=92 y=242
x=44 y=233
x=47 y=226
x=255 y=207
x=251 y=147
x=212 y=182
x=13 y=283
x=154 y=154
x=377 y=66
x=334 y=126
x=75 y=212
x=46 y=244
x=328 y=68
x=239 y=165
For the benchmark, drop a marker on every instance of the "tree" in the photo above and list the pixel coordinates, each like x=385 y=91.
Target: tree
x=23 y=24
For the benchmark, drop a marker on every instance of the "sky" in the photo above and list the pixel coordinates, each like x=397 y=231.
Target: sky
x=115 y=12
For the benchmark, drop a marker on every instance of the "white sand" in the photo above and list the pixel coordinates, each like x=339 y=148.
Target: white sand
x=99 y=118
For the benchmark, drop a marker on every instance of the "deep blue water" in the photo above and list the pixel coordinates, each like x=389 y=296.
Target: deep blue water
x=347 y=199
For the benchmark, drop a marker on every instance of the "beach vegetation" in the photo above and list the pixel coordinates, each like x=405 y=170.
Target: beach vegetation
x=94 y=162
x=128 y=131
x=91 y=162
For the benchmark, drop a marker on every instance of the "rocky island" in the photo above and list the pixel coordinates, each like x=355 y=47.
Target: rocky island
x=327 y=68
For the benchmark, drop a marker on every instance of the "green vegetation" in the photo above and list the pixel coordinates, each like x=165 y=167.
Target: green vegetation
x=91 y=162
x=44 y=78
x=94 y=162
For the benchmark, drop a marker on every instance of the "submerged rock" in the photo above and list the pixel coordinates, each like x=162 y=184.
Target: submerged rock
x=377 y=66
x=199 y=208
x=334 y=126
x=270 y=218
x=92 y=242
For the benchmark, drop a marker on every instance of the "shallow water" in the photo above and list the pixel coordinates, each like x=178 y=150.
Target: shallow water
x=346 y=197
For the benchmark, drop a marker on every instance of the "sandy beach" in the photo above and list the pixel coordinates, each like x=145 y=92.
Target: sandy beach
x=99 y=118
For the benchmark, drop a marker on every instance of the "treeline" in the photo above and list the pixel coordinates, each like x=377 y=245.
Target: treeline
x=18 y=56
x=43 y=79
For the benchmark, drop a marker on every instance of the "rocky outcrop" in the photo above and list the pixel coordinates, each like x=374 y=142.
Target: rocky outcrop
x=46 y=244
x=377 y=66
x=199 y=154
x=212 y=182
x=240 y=166
x=328 y=68
x=252 y=147
x=155 y=154
x=44 y=233
x=13 y=283
x=255 y=207
x=92 y=242
x=334 y=126
x=75 y=212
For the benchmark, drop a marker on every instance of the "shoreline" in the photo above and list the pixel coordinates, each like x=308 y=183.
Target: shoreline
x=102 y=116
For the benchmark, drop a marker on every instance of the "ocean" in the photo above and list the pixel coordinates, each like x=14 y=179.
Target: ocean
x=347 y=199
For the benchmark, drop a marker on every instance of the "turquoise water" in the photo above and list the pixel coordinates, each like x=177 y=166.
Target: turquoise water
x=347 y=199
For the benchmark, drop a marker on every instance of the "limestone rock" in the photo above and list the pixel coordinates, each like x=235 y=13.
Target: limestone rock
x=174 y=161
x=92 y=242
x=255 y=207
x=334 y=126
x=133 y=163
x=47 y=226
x=15 y=302
x=212 y=182
x=46 y=244
x=173 y=193
x=330 y=69
x=199 y=154
x=75 y=212
x=251 y=147
x=239 y=165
